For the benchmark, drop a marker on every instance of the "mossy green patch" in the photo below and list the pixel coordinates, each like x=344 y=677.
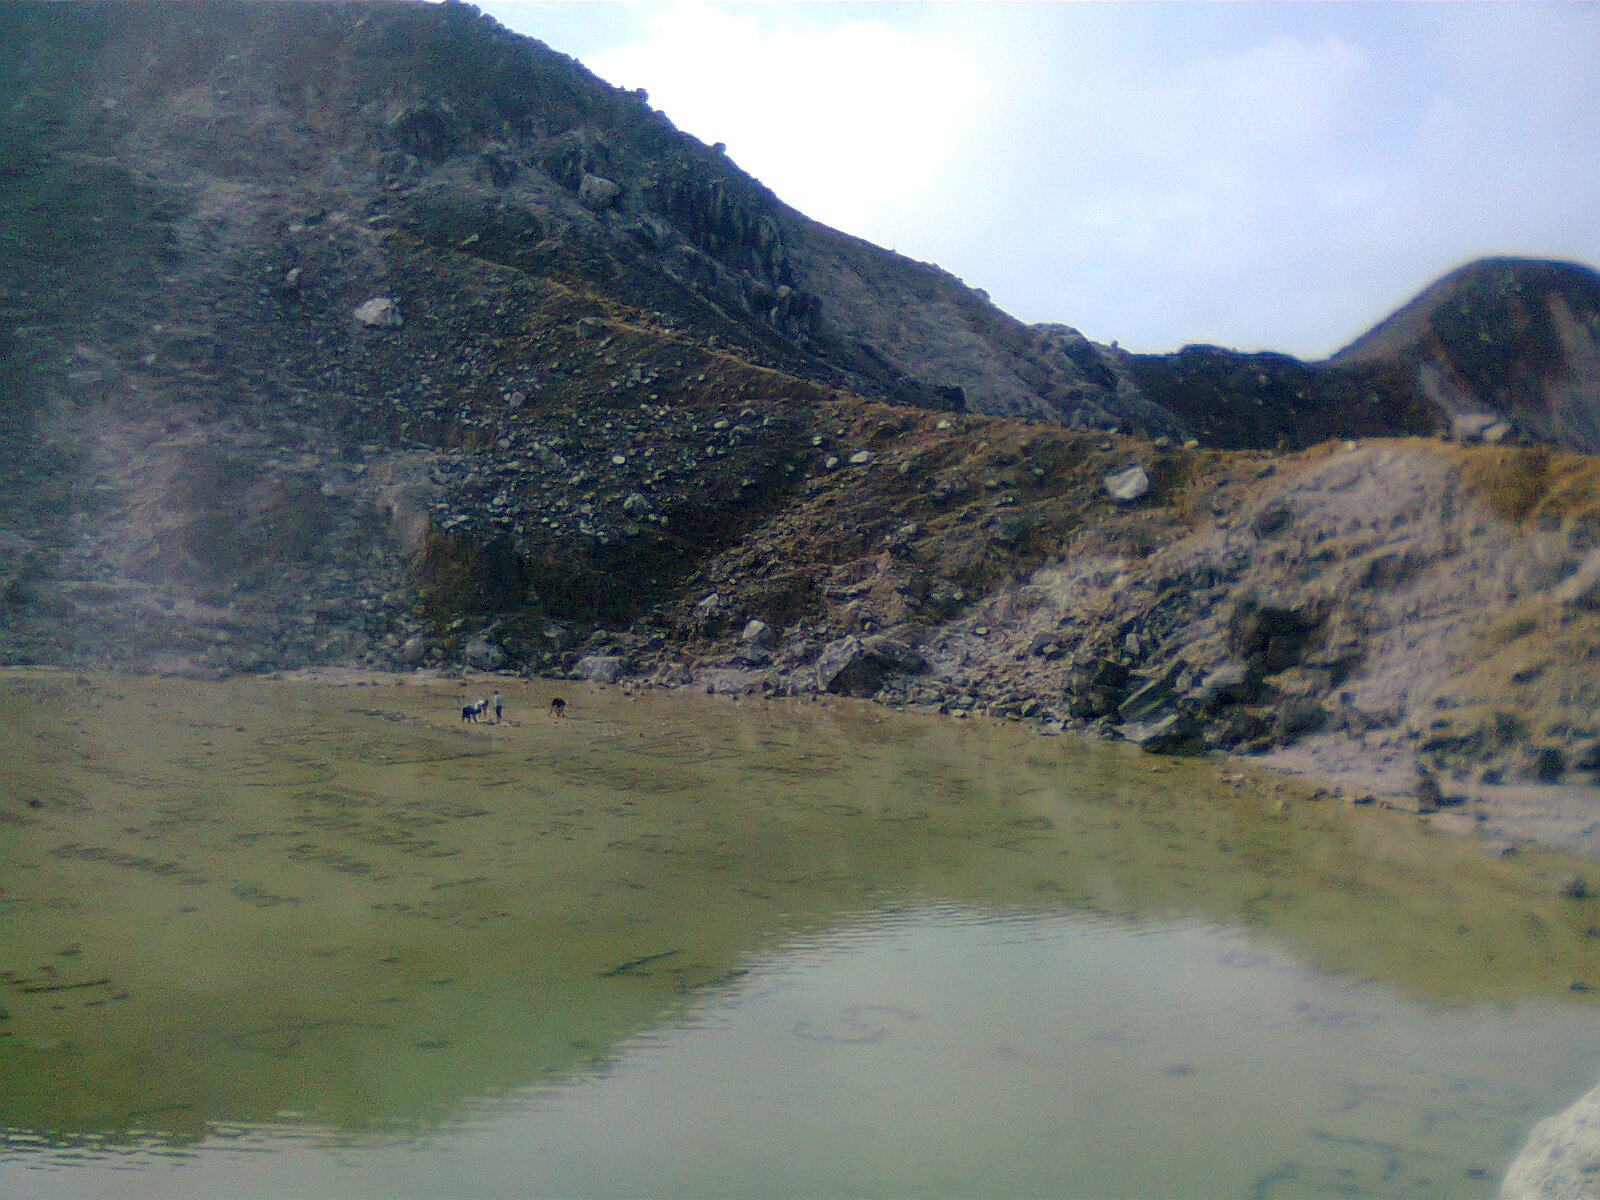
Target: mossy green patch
x=1523 y=482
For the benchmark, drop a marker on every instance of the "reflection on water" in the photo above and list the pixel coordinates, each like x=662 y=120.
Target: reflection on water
x=268 y=938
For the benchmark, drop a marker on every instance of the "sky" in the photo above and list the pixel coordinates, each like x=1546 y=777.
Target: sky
x=1256 y=175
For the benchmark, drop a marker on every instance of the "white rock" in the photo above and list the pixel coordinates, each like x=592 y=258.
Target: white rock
x=1583 y=589
x=1127 y=484
x=483 y=654
x=602 y=668
x=1474 y=427
x=1559 y=1159
x=380 y=312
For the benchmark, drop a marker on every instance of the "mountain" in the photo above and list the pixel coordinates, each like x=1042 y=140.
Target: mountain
x=1507 y=340
x=480 y=147
x=1516 y=337
x=371 y=334
x=326 y=322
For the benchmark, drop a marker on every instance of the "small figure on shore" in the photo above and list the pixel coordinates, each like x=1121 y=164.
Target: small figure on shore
x=558 y=707
x=499 y=706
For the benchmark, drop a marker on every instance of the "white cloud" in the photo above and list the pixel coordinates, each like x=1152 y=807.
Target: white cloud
x=839 y=121
x=1263 y=176
x=1138 y=193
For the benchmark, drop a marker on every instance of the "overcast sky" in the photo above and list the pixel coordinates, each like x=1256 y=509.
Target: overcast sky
x=1260 y=175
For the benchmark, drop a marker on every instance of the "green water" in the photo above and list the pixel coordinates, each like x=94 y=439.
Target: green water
x=276 y=938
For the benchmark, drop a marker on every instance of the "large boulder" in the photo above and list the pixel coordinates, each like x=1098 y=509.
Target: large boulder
x=1152 y=698
x=601 y=668
x=1229 y=682
x=710 y=613
x=751 y=656
x=380 y=313
x=853 y=666
x=1269 y=635
x=1096 y=687
x=758 y=633
x=483 y=654
x=1487 y=427
x=1561 y=1158
x=1128 y=484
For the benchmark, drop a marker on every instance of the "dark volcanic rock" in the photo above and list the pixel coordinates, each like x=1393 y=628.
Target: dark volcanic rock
x=1171 y=733
x=1506 y=345
x=1272 y=636
x=1519 y=338
x=1096 y=688
x=1267 y=401
x=855 y=666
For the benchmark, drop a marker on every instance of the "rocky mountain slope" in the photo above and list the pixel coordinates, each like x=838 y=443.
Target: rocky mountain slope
x=371 y=334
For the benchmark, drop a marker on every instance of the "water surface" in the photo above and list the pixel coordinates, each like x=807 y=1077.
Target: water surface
x=274 y=938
